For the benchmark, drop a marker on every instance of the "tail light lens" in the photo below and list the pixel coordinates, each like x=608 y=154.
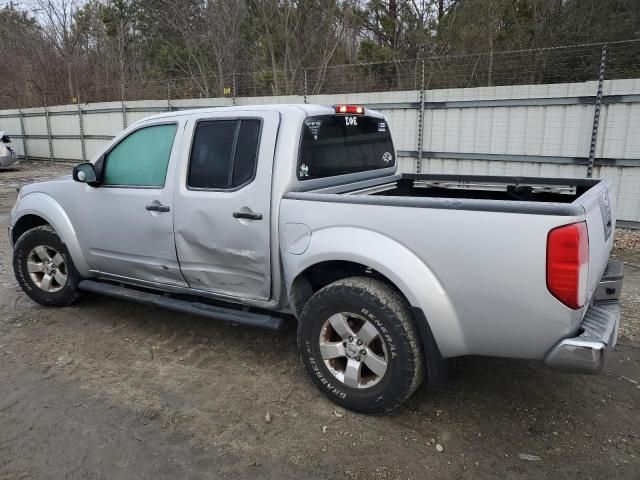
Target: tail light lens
x=568 y=264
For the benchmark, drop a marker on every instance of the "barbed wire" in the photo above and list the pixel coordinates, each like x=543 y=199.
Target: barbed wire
x=559 y=64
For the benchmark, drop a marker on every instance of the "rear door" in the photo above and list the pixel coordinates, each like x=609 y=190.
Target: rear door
x=223 y=203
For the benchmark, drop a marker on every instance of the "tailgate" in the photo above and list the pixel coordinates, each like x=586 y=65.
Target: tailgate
x=600 y=209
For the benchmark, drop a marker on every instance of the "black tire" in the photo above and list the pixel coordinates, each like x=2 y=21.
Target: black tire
x=384 y=307
x=45 y=236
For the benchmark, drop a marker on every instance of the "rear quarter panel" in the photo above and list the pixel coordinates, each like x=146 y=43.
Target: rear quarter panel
x=480 y=277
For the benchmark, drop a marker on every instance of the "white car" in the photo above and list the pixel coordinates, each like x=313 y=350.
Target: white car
x=8 y=156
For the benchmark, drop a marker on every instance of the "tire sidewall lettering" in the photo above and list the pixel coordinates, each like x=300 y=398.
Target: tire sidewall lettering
x=377 y=303
x=318 y=370
x=384 y=330
x=29 y=240
x=326 y=383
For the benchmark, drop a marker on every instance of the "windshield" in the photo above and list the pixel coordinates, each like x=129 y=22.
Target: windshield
x=340 y=144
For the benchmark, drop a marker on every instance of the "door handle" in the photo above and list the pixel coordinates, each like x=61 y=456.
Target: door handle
x=248 y=215
x=157 y=208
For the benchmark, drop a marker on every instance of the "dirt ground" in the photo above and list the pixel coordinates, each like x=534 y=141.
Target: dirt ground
x=113 y=390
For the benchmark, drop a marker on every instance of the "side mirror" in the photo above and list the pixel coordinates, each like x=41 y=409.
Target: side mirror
x=84 y=173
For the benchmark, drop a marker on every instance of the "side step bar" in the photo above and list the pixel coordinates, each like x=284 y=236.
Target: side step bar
x=196 y=308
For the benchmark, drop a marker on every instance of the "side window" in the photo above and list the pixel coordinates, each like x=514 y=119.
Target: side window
x=210 y=162
x=141 y=159
x=224 y=153
x=246 y=157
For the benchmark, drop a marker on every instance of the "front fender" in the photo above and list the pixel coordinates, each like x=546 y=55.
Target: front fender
x=45 y=206
x=400 y=265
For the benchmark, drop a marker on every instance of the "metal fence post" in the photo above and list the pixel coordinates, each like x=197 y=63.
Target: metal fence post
x=48 y=124
x=169 y=107
x=305 y=91
x=24 y=135
x=83 y=148
x=596 y=114
x=420 y=123
x=234 y=86
x=123 y=106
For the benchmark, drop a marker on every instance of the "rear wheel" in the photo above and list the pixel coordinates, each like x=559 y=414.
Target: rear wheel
x=358 y=342
x=43 y=268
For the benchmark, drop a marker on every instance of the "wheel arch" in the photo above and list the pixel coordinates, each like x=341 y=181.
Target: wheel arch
x=338 y=252
x=24 y=223
x=38 y=209
x=323 y=273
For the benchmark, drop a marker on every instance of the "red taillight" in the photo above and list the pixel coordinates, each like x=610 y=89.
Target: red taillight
x=350 y=109
x=568 y=264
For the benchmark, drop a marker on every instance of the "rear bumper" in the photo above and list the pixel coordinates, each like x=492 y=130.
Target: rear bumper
x=588 y=352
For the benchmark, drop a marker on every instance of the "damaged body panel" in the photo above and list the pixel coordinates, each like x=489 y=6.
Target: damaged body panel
x=223 y=232
x=300 y=209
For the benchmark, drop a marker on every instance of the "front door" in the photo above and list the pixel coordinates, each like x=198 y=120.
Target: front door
x=223 y=203
x=126 y=223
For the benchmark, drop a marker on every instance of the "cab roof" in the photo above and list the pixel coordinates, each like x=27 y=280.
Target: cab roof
x=283 y=108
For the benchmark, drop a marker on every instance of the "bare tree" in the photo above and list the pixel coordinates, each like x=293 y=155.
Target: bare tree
x=58 y=47
x=223 y=20
x=186 y=21
x=299 y=34
x=57 y=20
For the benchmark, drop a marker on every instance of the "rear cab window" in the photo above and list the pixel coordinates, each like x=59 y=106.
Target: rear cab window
x=341 y=144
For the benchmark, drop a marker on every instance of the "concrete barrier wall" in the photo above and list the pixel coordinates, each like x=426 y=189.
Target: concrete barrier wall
x=539 y=130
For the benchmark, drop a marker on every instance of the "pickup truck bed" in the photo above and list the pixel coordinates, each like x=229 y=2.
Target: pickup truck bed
x=489 y=188
x=476 y=244
x=536 y=195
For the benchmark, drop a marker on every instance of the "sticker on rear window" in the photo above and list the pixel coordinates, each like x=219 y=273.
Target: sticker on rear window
x=382 y=126
x=351 y=121
x=387 y=157
x=314 y=127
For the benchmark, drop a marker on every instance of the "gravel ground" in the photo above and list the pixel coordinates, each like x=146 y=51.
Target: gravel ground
x=109 y=389
x=627 y=242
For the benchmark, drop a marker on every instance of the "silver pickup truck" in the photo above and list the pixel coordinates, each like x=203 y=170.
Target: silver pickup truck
x=252 y=214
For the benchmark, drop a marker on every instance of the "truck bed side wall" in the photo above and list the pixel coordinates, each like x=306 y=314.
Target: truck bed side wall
x=480 y=277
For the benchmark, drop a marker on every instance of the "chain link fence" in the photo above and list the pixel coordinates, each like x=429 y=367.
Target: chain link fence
x=517 y=123
x=575 y=63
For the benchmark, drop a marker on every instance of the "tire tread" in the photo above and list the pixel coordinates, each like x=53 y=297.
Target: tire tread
x=71 y=293
x=393 y=305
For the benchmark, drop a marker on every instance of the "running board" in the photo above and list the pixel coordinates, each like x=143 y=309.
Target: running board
x=196 y=308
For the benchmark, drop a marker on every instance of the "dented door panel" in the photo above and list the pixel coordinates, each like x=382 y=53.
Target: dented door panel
x=219 y=252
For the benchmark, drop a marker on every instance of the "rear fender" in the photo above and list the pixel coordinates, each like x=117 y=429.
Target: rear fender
x=400 y=265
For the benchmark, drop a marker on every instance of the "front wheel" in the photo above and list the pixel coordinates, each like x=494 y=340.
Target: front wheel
x=358 y=342
x=43 y=268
